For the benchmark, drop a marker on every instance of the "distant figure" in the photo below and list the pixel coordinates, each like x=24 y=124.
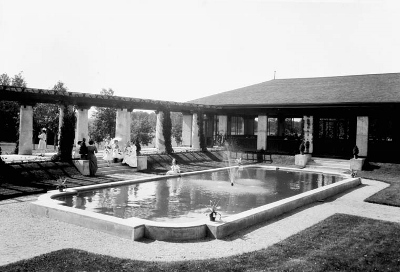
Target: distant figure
x=116 y=152
x=83 y=150
x=42 y=142
x=107 y=152
x=91 y=154
x=175 y=169
x=76 y=154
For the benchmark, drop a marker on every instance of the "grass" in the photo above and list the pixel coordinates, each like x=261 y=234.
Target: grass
x=339 y=243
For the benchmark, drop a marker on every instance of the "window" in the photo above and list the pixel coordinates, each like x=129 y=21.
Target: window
x=237 y=125
x=272 y=127
x=293 y=127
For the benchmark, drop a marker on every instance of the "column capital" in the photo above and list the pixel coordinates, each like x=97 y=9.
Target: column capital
x=83 y=106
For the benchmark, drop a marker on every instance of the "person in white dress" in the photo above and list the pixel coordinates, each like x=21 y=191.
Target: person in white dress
x=42 y=142
x=175 y=169
x=107 y=152
x=116 y=152
x=130 y=155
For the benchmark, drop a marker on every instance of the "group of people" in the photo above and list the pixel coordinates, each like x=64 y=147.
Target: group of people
x=113 y=153
x=87 y=152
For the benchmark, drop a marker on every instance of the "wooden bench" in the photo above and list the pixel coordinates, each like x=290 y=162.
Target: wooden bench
x=255 y=158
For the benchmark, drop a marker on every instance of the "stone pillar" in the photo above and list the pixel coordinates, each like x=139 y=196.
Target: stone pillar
x=195 y=132
x=262 y=132
x=160 y=142
x=128 y=125
x=187 y=129
x=362 y=135
x=121 y=130
x=309 y=132
x=223 y=124
x=82 y=124
x=60 y=122
x=25 y=130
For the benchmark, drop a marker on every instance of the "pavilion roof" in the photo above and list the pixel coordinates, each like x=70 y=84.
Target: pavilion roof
x=355 y=89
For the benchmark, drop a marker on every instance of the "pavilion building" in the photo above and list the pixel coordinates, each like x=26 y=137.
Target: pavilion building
x=332 y=113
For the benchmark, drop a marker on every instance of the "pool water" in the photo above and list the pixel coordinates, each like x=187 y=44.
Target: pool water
x=186 y=198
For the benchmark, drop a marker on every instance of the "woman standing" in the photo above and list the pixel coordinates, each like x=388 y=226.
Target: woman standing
x=107 y=152
x=91 y=153
x=42 y=142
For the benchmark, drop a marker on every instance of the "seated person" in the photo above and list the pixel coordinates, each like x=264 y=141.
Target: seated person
x=175 y=169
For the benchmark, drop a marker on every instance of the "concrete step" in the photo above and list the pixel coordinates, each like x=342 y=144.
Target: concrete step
x=113 y=170
x=328 y=164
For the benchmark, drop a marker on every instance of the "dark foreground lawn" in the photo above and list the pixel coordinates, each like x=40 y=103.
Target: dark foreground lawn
x=339 y=243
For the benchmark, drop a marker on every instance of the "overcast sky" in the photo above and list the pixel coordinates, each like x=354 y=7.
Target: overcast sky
x=183 y=50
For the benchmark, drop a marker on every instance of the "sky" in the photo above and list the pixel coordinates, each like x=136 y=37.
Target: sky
x=182 y=50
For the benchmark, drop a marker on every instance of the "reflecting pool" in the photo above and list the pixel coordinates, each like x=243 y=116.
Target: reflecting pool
x=185 y=199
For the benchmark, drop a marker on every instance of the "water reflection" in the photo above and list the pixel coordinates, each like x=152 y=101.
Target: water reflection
x=185 y=198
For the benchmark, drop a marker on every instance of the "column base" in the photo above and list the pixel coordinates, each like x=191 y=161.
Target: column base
x=302 y=160
x=357 y=164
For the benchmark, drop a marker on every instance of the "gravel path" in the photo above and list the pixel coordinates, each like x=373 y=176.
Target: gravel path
x=24 y=235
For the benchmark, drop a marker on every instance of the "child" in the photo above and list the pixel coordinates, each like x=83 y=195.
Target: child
x=175 y=169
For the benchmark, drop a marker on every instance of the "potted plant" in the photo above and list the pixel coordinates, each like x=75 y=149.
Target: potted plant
x=355 y=152
x=61 y=186
x=212 y=210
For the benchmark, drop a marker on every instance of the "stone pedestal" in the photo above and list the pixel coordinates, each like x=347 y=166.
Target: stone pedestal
x=141 y=163
x=82 y=166
x=357 y=164
x=302 y=160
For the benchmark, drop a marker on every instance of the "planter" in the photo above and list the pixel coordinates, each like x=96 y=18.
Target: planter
x=213 y=215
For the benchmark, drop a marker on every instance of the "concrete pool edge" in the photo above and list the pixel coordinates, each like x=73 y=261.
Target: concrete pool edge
x=135 y=228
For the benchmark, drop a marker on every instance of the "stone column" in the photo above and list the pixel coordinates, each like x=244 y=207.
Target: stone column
x=60 y=122
x=262 y=132
x=309 y=132
x=362 y=135
x=128 y=125
x=25 y=130
x=160 y=142
x=187 y=129
x=121 y=130
x=223 y=124
x=195 y=132
x=82 y=124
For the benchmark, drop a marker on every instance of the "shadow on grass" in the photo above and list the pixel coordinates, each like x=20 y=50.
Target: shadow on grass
x=339 y=243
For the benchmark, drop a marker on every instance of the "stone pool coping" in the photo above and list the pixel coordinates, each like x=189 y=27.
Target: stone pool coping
x=136 y=228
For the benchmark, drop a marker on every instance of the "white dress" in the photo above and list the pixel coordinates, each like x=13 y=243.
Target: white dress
x=107 y=156
x=42 y=141
x=130 y=157
x=117 y=153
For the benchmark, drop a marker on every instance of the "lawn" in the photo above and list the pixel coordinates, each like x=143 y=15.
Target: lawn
x=339 y=243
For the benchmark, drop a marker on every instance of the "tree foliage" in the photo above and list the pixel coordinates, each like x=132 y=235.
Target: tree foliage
x=143 y=127
x=167 y=129
x=67 y=133
x=9 y=110
x=200 y=124
x=103 y=123
x=47 y=115
x=176 y=119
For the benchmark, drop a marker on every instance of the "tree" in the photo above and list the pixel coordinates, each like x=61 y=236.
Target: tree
x=103 y=123
x=167 y=129
x=67 y=133
x=47 y=116
x=143 y=127
x=9 y=110
x=176 y=118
